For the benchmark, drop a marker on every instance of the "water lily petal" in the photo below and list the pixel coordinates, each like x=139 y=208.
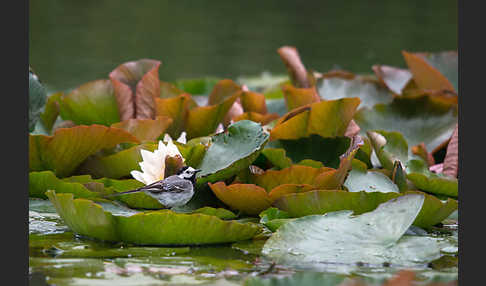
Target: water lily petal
x=137 y=175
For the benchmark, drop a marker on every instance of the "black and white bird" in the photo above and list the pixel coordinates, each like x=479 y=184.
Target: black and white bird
x=173 y=191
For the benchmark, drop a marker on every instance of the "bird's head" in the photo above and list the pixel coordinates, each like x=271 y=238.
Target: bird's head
x=188 y=173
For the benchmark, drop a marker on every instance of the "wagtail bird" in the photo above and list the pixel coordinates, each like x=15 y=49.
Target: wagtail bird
x=173 y=191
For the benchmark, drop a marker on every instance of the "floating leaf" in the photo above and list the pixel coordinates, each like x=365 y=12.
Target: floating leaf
x=423 y=179
x=451 y=161
x=116 y=165
x=232 y=151
x=91 y=103
x=168 y=90
x=326 y=118
x=217 y=212
x=338 y=237
x=295 y=67
x=430 y=70
x=37 y=99
x=304 y=148
x=248 y=198
x=296 y=97
x=51 y=111
x=369 y=181
x=257 y=117
x=277 y=157
x=419 y=119
x=389 y=147
x=395 y=79
x=200 y=86
x=69 y=147
x=253 y=102
x=145 y=129
x=224 y=89
x=369 y=92
x=136 y=84
x=162 y=227
x=295 y=174
x=40 y=182
x=188 y=116
x=324 y=201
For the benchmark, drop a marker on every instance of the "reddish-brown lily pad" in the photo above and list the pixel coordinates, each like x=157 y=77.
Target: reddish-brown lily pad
x=136 y=84
x=296 y=97
x=68 y=147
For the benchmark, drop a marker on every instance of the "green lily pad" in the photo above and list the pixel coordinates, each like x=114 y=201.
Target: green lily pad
x=67 y=148
x=389 y=147
x=277 y=105
x=163 y=227
x=197 y=86
x=273 y=218
x=217 y=212
x=37 y=99
x=368 y=91
x=423 y=179
x=116 y=165
x=91 y=103
x=304 y=148
x=40 y=182
x=395 y=79
x=324 y=201
x=374 y=237
x=369 y=181
x=232 y=151
x=419 y=119
x=277 y=157
x=51 y=111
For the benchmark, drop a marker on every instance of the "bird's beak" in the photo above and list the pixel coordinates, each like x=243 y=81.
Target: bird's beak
x=197 y=170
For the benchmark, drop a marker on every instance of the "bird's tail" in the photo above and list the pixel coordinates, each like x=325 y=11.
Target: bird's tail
x=122 y=193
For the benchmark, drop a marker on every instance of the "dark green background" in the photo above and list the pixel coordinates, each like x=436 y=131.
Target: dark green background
x=72 y=42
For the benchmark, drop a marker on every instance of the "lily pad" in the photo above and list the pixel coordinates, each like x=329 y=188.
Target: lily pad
x=419 y=119
x=248 y=198
x=326 y=118
x=277 y=157
x=116 y=165
x=232 y=151
x=304 y=148
x=389 y=147
x=91 y=103
x=68 y=147
x=40 y=182
x=37 y=99
x=423 y=179
x=51 y=111
x=434 y=71
x=395 y=79
x=375 y=237
x=324 y=201
x=296 y=97
x=136 y=84
x=369 y=181
x=145 y=129
x=162 y=227
x=187 y=116
x=197 y=86
x=368 y=91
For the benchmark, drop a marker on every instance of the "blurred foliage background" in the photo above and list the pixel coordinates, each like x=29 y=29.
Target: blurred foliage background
x=72 y=42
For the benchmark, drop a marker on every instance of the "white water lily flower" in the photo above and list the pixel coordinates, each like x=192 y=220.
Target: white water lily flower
x=153 y=163
x=182 y=138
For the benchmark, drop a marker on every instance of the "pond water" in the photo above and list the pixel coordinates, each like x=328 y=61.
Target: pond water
x=72 y=42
